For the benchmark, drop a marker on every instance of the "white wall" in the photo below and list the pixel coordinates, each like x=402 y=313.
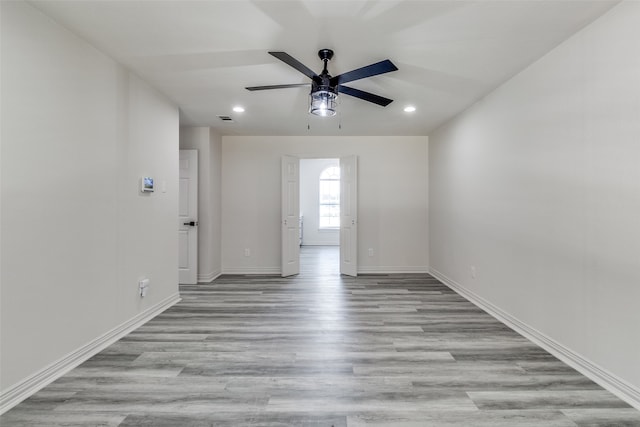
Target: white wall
x=78 y=133
x=209 y=145
x=392 y=199
x=538 y=187
x=310 y=170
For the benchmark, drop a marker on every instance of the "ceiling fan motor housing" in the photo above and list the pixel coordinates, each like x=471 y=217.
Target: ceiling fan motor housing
x=322 y=82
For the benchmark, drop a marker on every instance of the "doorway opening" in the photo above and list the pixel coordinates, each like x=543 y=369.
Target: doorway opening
x=320 y=216
x=320 y=261
x=293 y=232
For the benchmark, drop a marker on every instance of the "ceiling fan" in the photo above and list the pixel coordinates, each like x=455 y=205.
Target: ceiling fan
x=325 y=88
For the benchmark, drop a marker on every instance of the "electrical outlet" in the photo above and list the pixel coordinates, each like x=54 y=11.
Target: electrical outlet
x=472 y=271
x=247 y=252
x=370 y=251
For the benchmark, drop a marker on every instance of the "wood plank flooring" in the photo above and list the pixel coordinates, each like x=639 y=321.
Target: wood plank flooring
x=323 y=350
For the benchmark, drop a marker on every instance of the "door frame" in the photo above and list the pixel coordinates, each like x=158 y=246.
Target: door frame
x=292 y=266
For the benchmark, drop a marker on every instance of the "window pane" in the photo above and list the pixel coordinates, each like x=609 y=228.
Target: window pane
x=329 y=215
x=330 y=222
x=330 y=210
x=329 y=192
x=330 y=198
x=331 y=173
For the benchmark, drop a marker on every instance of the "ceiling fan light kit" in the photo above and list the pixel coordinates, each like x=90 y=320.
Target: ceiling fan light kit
x=323 y=98
x=323 y=103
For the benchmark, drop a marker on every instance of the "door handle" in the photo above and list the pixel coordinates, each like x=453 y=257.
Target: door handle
x=191 y=223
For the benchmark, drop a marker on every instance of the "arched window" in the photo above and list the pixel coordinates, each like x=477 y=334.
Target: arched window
x=330 y=197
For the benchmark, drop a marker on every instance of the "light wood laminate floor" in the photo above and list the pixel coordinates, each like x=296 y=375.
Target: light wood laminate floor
x=323 y=350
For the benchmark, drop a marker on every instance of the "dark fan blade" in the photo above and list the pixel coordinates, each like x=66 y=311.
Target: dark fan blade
x=277 y=86
x=291 y=61
x=381 y=67
x=365 y=95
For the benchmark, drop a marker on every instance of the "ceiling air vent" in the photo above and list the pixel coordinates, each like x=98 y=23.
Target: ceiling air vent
x=226 y=119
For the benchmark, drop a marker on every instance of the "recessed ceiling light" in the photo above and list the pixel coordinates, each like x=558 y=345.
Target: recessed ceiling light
x=238 y=109
x=409 y=109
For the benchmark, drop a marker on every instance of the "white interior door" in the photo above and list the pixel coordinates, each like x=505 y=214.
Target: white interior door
x=290 y=216
x=349 y=215
x=188 y=218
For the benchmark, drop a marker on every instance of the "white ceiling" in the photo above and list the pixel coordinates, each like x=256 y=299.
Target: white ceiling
x=202 y=54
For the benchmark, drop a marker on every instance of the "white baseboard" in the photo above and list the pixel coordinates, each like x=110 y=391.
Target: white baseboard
x=22 y=390
x=208 y=277
x=252 y=270
x=392 y=270
x=319 y=243
x=599 y=375
x=362 y=270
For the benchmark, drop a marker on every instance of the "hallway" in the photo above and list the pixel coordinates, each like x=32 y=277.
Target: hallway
x=320 y=262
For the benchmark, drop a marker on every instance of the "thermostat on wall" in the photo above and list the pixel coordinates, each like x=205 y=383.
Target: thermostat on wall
x=147 y=185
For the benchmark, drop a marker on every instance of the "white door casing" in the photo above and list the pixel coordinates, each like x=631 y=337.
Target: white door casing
x=188 y=218
x=290 y=225
x=349 y=215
